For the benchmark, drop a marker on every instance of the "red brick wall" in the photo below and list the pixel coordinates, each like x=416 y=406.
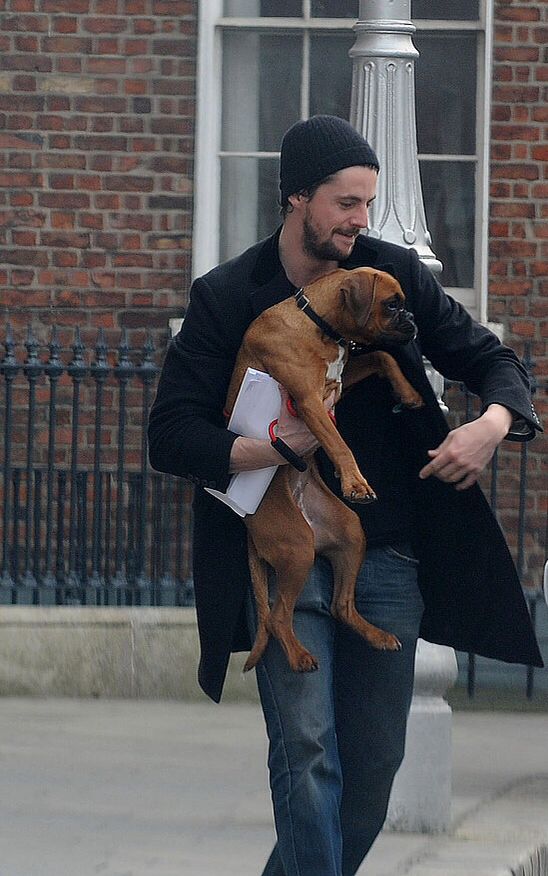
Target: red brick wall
x=97 y=101
x=518 y=245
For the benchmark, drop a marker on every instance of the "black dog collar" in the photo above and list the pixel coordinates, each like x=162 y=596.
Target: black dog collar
x=304 y=304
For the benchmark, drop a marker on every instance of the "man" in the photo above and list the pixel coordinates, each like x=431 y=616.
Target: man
x=337 y=735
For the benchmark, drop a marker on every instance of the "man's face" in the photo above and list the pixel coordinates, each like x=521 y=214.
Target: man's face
x=337 y=211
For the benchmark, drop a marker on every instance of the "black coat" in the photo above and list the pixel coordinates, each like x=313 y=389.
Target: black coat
x=473 y=598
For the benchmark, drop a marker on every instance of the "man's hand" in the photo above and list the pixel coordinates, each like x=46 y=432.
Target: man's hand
x=252 y=453
x=294 y=431
x=467 y=450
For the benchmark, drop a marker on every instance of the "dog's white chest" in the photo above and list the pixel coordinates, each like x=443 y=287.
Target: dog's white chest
x=335 y=368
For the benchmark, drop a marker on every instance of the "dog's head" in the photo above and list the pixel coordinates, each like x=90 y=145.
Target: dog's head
x=374 y=307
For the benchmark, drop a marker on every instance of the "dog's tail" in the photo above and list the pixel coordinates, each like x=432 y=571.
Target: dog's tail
x=259 y=578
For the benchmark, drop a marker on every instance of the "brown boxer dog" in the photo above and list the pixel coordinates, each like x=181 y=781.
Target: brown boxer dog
x=302 y=342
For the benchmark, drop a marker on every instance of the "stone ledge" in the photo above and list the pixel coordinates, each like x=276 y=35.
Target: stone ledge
x=506 y=836
x=107 y=652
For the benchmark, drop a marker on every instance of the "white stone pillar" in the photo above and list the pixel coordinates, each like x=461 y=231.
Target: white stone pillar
x=421 y=796
x=383 y=110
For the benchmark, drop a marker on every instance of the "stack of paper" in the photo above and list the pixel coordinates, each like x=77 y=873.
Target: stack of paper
x=257 y=404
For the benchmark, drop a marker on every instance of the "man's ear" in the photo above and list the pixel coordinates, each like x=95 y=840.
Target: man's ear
x=359 y=295
x=297 y=199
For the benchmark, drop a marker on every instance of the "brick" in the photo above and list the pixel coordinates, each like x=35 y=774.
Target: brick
x=106 y=65
x=515 y=93
x=22 y=102
x=514 y=132
x=518 y=13
x=33 y=23
x=24 y=257
x=22 y=278
x=144 y=25
x=520 y=53
x=64 y=259
x=499 y=229
x=24 y=83
x=98 y=24
x=77 y=7
x=101 y=144
x=107 y=46
x=509 y=208
x=129 y=183
x=100 y=104
x=62 y=220
x=501 y=113
x=499 y=190
x=178 y=8
x=540 y=153
x=21 y=199
x=515 y=171
x=102 y=124
x=23 y=238
x=65 y=24
x=20 y=180
x=66 y=45
x=67 y=239
x=64 y=200
x=68 y=65
x=509 y=248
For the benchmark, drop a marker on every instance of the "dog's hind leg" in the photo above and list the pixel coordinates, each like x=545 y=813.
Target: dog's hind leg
x=339 y=537
x=282 y=537
x=259 y=579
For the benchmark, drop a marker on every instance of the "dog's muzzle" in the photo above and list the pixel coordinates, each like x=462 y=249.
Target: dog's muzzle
x=404 y=325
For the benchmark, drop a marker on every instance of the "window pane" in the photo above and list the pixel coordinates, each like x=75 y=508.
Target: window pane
x=266 y=8
x=449 y=198
x=330 y=74
x=335 y=9
x=457 y=9
x=446 y=93
x=261 y=90
x=249 y=202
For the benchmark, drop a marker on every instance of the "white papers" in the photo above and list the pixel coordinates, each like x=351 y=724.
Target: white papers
x=256 y=406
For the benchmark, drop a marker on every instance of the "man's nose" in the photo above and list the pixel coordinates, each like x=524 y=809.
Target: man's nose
x=360 y=217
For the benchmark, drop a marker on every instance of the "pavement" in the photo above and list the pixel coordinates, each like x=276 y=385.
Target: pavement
x=164 y=788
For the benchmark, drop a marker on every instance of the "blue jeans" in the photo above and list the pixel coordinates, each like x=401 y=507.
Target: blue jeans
x=337 y=735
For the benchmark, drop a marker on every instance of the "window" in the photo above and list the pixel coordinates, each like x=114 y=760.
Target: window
x=264 y=64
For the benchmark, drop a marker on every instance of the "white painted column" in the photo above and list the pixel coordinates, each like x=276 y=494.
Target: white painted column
x=383 y=110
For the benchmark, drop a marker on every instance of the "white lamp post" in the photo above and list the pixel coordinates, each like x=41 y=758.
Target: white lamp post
x=383 y=110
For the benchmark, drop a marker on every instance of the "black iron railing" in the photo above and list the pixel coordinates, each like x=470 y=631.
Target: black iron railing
x=84 y=520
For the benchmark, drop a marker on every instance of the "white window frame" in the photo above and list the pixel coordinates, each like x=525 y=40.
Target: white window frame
x=207 y=156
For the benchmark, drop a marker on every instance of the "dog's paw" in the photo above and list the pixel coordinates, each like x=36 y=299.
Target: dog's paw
x=388 y=642
x=362 y=500
x=410 y=403
x=307 y=663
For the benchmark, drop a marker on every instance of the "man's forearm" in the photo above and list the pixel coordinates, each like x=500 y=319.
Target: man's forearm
x=501 y=419
x=248 y=454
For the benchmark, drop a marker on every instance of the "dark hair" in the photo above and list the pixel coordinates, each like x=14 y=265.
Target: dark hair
x=286 y=207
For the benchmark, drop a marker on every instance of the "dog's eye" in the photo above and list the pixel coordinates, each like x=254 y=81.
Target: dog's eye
x=393 y=305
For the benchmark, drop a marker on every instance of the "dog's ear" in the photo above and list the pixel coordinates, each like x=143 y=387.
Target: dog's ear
x=359 y=295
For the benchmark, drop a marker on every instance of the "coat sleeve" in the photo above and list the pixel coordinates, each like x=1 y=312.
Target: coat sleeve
x=462 y=349
x=187 y=432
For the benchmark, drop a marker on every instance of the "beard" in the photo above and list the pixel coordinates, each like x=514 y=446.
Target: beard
x=315 y=246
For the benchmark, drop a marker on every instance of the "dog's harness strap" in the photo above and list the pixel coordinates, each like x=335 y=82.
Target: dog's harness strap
x=304 y=304
x=285 y=450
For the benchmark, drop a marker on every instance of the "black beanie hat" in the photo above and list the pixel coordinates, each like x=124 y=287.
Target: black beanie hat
x=318 y=147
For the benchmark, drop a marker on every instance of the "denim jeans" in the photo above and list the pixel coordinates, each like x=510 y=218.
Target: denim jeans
x=337 y=735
